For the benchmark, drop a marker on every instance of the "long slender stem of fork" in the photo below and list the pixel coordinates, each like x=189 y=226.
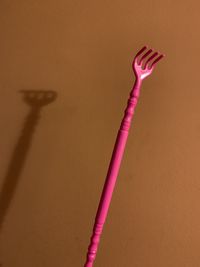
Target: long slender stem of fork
x=112 y=174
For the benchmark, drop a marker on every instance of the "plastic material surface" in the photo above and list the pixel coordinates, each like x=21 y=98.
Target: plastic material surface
x=143 y=65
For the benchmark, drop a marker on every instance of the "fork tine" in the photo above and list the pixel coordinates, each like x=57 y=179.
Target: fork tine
x=145 y=55
x=140 y=52
x=156 y=60
x=154 y=55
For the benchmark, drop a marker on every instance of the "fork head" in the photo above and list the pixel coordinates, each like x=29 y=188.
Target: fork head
x=144 y=62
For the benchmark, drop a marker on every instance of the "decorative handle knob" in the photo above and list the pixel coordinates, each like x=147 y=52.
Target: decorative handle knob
x=94 y=241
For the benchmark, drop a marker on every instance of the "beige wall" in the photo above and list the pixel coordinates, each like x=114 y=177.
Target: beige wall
x=53 y=167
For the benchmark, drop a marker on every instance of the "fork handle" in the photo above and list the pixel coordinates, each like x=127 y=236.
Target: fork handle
x=112 y=174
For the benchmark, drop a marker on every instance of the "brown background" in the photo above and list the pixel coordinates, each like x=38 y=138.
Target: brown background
x=52 y=172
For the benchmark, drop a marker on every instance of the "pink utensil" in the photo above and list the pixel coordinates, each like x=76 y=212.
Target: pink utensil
x=143 y=65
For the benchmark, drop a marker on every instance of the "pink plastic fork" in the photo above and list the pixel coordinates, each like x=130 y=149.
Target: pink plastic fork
x=143 y=65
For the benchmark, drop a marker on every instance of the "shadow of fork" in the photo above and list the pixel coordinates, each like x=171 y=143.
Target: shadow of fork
x=36 y=99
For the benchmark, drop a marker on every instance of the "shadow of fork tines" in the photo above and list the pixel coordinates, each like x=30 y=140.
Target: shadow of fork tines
x=36 y=99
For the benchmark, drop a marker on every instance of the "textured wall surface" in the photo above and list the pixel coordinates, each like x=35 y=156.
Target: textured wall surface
x=55 y=147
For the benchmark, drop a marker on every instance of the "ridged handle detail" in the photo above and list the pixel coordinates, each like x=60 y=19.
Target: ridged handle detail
x=128 y=113
x=94 y=241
